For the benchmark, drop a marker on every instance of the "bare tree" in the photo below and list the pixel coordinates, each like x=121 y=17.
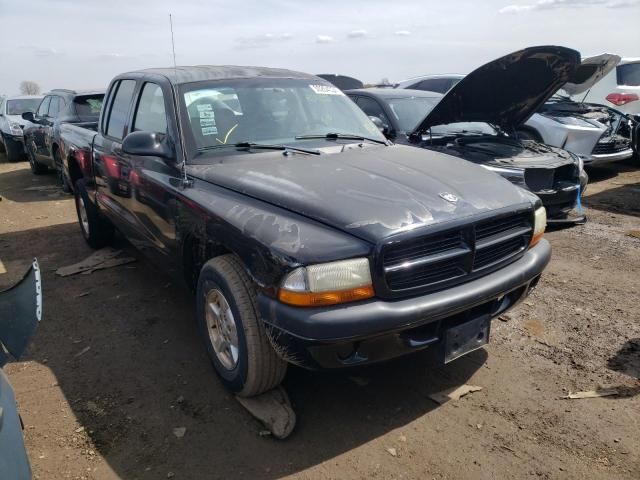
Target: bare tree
x=28 y=87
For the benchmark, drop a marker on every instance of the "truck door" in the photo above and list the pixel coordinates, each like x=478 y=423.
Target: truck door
x=152 y=177
x=47 y=127
x=113 y=168
x=41 y=120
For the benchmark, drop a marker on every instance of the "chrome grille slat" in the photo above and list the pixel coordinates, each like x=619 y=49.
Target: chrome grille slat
x=433 y=261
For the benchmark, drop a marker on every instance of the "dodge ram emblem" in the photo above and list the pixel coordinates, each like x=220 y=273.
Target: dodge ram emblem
x=449 y=197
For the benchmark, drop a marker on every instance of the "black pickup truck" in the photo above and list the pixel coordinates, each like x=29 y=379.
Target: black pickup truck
x=307 y=237
x=42 y=136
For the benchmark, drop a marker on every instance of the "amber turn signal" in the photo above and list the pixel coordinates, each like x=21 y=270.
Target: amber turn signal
x=319 y=299
x=539 y=225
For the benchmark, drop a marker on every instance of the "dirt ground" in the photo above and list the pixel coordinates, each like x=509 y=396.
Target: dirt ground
x=117 y=365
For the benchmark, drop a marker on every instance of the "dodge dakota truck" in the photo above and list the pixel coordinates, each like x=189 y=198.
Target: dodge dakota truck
x=307 y=237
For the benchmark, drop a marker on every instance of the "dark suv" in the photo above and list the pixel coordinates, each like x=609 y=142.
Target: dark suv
x=58 y=106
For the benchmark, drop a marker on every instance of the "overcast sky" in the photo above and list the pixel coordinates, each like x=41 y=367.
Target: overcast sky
x=83 y=43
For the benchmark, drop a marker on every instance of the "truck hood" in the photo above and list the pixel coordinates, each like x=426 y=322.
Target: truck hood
x=506 y=91
x=369 y=192
x=590 y=72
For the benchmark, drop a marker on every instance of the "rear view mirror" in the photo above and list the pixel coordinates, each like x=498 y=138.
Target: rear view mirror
x=383 y=127
x=148 y=144
x=28 y=116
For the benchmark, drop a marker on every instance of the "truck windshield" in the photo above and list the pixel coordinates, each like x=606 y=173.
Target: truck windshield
x=271 y=111
x=22 y=105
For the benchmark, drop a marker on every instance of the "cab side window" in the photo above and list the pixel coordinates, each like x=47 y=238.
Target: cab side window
x=54 y=107
x=372 y=108
x=119 y=112
x=150 y=113
x=43 y=108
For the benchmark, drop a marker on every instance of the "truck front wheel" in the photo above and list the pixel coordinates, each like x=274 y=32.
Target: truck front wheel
x=96 y=230
x=234 y=334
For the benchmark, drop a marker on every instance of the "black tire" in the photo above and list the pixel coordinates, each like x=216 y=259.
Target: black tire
x=62 y=179
x=2 y=147
x=96 y=230
x=258 y=368
x=529 y=135
x=36 y=167
x=14 y=150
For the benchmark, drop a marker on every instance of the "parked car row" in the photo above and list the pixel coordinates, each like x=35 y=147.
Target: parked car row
x=319 y=227
x=594 y=130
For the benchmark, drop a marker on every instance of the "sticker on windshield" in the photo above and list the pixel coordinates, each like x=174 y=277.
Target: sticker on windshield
x=209 y=131
x=326 y=89
x=207 y=119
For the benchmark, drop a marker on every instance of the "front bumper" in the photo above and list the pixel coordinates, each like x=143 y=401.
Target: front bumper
x=592 y=160
x=377 y=330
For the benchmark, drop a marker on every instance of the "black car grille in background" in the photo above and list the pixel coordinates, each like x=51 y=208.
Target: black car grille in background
x=539 y=179
x=605 y=148
x=430 y=262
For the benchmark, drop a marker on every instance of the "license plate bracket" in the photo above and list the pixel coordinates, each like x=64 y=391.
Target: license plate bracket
x=466 y=337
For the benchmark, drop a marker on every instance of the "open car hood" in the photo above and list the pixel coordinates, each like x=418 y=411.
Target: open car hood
x=590 y=72
x=506 y=91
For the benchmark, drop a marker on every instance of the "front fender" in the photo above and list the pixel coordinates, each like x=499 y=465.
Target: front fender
x=269 y=240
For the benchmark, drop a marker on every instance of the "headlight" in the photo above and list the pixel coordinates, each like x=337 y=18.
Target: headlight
x=539 y=225
x=15 y=128
x=327 y=284
x=579 y=161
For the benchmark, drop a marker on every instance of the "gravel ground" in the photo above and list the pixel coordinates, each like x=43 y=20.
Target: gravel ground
x=117 y=365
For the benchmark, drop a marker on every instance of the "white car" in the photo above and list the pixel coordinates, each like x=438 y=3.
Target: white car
x=12 y=123
x=596 y=133
x=620 y=88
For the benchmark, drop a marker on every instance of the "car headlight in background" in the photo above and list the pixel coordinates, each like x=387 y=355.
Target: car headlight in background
x=15 y=128
x=539 y=225
x=327 y=284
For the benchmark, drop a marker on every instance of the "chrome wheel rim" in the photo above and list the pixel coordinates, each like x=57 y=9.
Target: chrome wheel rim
x=82 y=213
x=221 y=326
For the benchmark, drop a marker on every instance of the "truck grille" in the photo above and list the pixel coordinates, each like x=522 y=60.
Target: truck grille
x=430 y=262
x=539 y=179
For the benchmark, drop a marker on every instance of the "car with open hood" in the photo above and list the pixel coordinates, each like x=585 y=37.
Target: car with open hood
x=307 y=236
x=12 y=124
x=597 y=133
x=477 y=119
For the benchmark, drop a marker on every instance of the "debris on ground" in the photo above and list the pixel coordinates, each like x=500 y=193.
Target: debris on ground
x=455 y=393
x=179 y=431
x=633 y=233
x=393 y=452
x=273 y=409
x=82 y=352
x=600 y=392
x=104 y=258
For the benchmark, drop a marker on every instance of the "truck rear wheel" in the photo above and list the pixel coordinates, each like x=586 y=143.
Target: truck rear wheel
x=234 y=334
x=96 y=230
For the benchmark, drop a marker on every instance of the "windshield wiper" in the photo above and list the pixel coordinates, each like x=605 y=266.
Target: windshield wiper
x=263 y=146
x=342 y=136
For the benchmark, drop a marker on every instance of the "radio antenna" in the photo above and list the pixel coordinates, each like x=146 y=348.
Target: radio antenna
x=183 y=168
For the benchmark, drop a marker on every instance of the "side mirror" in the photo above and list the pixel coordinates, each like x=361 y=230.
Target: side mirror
x=148 y=144
x=383 y=127
x=28 y=116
